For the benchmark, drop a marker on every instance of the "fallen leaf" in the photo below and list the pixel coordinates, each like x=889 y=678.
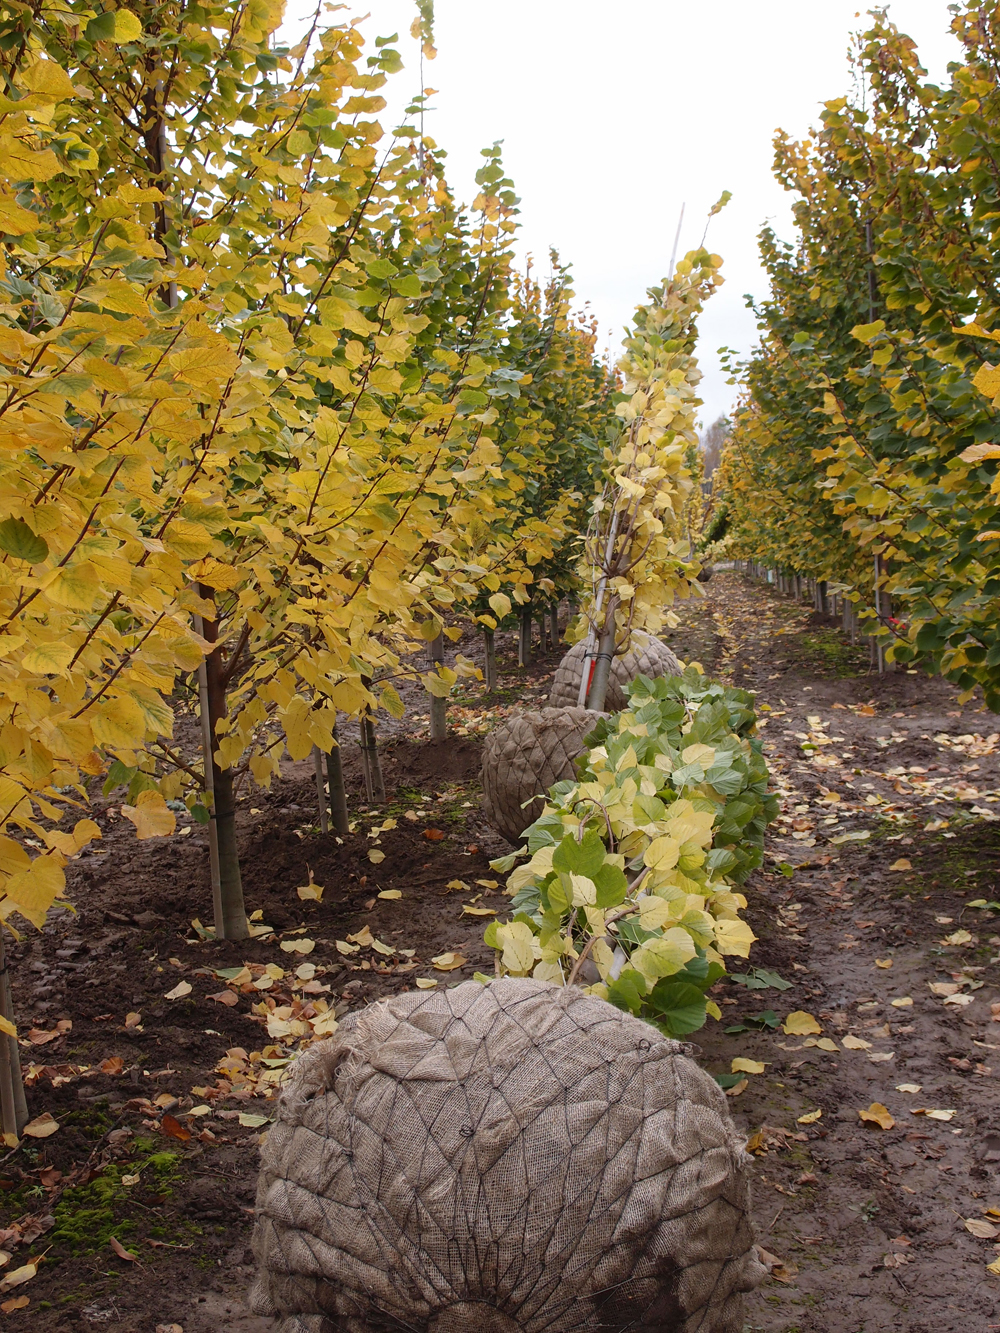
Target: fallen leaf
x=488 y=883
x=880 y=1057
x=741 y=1065
x=851 y=1043
x=823 y=1043
x=390 y=893
x=114 y=1064
x=800 y=1024
x=347 y=949
x=470 y=909
x=41 y=1127
x=174 y=1129
x=883 y=962
x=411 y=815
x=382 y=948
x=959 y=1001
x=994 y=1267
x=908 y=1087
x=944 y=987
x=15 y=1303
x=432 y=834
x=457 y=884
x=121 y=1251
x=179 y=991
x=877 y=1114
x=376 y=857
x=251 y=1121
x=310 y=892
x=957 y=939
x=901 y=864
x=809 y=1118
x=297 y=946
x=976 y=1226
x=425 y=983
x=363 y=938
x=19 y=1276
x=226 y=997
x=738 y=1088
x=448 y=962
x=903 y=1002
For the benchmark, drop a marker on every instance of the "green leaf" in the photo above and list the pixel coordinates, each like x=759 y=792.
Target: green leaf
x=679 y=1006
x=580 y=858
x=628 y=991
x=18 y=540
x=612 y=886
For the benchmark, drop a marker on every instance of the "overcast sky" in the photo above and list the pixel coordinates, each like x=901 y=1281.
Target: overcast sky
x=613 y=115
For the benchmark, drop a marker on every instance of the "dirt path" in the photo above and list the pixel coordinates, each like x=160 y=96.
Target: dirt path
x=889 y=797
x=161 y=1101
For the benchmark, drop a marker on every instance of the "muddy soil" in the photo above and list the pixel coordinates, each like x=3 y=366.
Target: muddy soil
x=887 y=837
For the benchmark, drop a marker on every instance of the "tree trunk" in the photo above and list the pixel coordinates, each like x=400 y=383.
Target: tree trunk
x=524 y=638
x=338 y=791
x=13 y=1106
x=554 y=625
x=598 y=691
x=821 y=597
x=491 y=660
x=372 y=764
x=324 y=815
x=231 y=918
x=439 y=707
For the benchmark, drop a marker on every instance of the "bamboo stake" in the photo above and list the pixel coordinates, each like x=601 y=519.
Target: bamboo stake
x=439 y=707
x=324 y=817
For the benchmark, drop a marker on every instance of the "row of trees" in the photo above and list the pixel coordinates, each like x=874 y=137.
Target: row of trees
x=862 y=452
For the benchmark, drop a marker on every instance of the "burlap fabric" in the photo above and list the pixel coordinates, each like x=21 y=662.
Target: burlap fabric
x=523 y=757
x=498 y=1158
x=646 y=657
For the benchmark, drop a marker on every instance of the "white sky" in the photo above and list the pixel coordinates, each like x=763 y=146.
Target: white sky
x=612 y=116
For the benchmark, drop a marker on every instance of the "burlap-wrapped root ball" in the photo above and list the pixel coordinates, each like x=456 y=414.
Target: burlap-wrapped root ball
x=646 y=657
x=502 y=1158
x=523 y=757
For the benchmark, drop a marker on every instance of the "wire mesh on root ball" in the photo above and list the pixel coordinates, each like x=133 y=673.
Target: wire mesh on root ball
x=523 y=757
x=646 y=657
x=500 y=1158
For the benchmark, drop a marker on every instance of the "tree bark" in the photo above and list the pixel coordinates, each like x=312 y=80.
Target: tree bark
x=338 y=791
x=598 y=691
x=324 y=814
x=491 y=660
x=439 y=707
x=524 y=638
x=13 y=1105
x=231 y=916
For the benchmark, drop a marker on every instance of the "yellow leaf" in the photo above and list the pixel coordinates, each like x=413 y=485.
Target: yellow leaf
x=809 y=1118
x=908 y=1087
x=734 y=937
x=425 y=983
x=855 y=1043
x=363 y=938
x=877 y=1114
x=822 y=1043
x=390 y=893
x=903 y=1002
x=18 y=1276
x=901 y=864
x=883 y=962
x=41 y=1127
x=346 y=949
x=375 y=856
x=471 y=909
x=6 y=1026
x=800 y=1024
x=48 y=78
x=127 y=26
x=310 y=892
x=297 y=946
x=500 y=604
x=118 y=724
x=179 y=991
x=994 y=1267
x=741 y=1065
x=151 y=816
x=33 y=891
x=448 y=962
x=15 y=220
x=74 y=587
